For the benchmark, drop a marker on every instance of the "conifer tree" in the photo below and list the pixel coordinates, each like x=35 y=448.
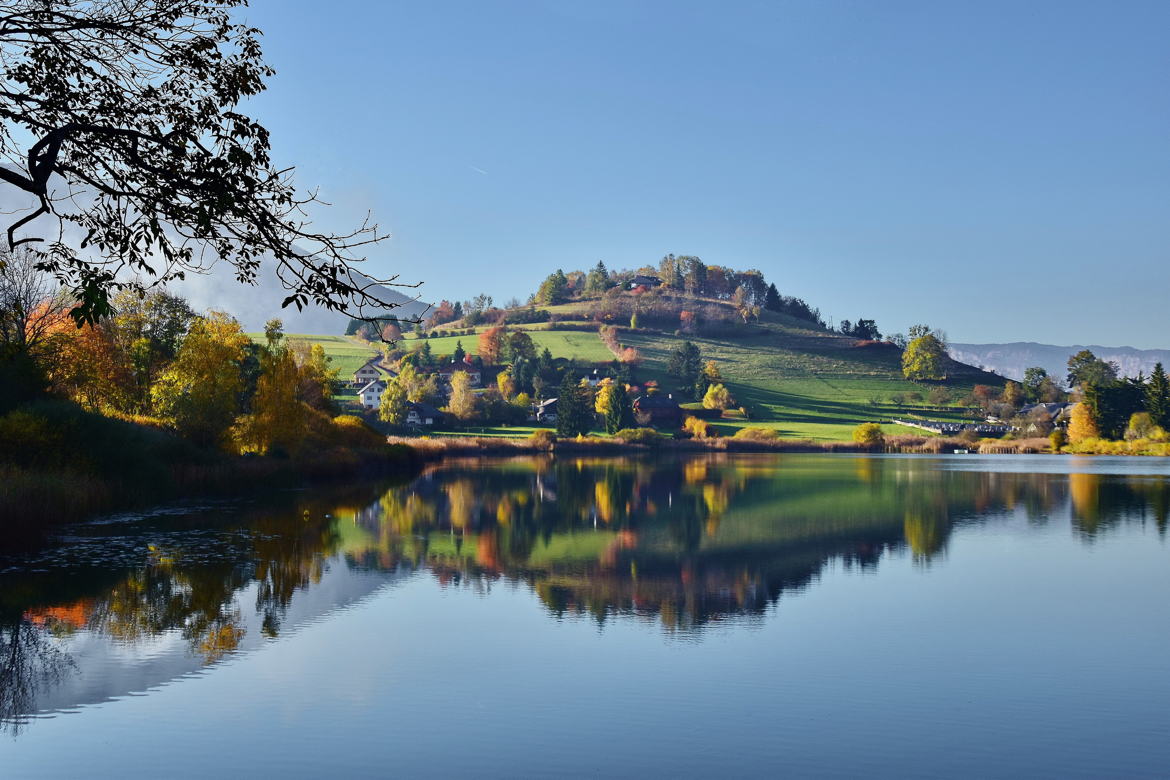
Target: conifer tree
x=573 y=412
x=1158 y=397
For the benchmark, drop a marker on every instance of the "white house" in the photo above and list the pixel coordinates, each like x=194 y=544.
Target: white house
x=370 y=396
x=372 y=371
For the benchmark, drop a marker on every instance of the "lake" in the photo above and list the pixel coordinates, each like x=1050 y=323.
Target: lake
x=798 y=615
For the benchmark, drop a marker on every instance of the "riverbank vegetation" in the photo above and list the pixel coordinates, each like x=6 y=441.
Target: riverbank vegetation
x=156 y=401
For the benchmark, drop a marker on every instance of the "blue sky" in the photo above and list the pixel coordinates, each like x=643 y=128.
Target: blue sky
x=996 y=169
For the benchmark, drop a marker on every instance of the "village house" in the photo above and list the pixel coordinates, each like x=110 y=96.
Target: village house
x=468 y=366
x=370 y=396
x=372 y=371
x=648 y=282
x=658 y=409
x=546 y=411
x=423 y=415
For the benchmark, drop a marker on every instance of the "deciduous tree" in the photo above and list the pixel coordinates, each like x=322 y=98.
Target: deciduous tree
x=463 y=401
x=200 y=390
x=925 y=356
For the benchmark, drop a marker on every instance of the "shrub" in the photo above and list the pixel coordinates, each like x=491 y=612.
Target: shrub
x=543 y=439
x=717 y=397
x=647 y=436
x=869 y=434
x=757 y=434
x=700 y=429
x=1057 y=439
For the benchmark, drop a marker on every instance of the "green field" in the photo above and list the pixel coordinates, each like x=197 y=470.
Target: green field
x=346 y=354
x=582 y=345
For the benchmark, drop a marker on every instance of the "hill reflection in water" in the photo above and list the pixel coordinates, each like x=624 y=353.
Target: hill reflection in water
x=125 y=605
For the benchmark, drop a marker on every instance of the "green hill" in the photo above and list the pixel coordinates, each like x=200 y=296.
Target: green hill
x=800 y=379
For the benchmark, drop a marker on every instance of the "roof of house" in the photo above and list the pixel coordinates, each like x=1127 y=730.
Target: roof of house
x=1049 y=409
x=546 y=403
x=656 y=401
x=452 y=367
x=644 y=279
x=424 y=410
x=377 y=384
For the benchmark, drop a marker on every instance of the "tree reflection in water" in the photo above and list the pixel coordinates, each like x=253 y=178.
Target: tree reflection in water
x=683 y=543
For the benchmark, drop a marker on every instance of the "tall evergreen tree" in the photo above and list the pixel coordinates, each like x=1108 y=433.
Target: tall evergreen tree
x=597 y=280
x=772 y=300
x=1158 y=397
x=574 y=414
x=685 y=366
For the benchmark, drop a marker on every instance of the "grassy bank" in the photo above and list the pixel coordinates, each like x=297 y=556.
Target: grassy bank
x=59 y=463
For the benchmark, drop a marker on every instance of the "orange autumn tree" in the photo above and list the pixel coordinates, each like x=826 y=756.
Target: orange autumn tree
x=85 y=364
x=490 y=344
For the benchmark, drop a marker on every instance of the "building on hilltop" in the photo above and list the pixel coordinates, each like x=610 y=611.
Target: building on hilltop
x=646 y=282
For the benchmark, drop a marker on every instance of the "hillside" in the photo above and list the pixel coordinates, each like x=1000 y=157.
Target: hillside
x=802 y=380
x=1012 y=359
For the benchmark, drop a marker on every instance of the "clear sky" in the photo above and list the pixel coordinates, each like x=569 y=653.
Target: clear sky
x=1000 y=170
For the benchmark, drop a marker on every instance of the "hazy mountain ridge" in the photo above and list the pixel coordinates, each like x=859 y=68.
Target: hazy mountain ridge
x=1012 y=359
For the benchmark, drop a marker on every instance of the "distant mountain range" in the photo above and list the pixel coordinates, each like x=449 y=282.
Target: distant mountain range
x=1010 y=360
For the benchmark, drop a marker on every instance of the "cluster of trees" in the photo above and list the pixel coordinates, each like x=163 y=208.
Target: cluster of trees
x=866 y=330
x=1113 y=407
x=155 y=358
x=748 y=290
x=700 y=380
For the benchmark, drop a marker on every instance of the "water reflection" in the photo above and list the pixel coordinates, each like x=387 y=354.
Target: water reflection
x=123 y=606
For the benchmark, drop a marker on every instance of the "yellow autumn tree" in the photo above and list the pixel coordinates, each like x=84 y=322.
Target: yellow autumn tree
x=506 y=384
x=463 y=401
x=199 y=392
x=718 y=397
x=1081 y=426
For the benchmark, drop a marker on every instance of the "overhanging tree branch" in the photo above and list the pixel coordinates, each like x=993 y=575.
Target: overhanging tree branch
x=133 y=105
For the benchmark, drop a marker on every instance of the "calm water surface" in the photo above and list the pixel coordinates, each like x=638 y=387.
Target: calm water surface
x=718 y=616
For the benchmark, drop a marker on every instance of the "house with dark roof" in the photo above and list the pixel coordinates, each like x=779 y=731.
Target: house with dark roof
x=658 y=409
x=467 y=365
x=649 y=282
x=423 y=415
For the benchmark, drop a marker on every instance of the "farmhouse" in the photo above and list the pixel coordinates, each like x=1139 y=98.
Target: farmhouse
x=370 y=396
x=657 y=409
x=422 y=414
x=370 y=372
x=648 y=282
x=467 y=366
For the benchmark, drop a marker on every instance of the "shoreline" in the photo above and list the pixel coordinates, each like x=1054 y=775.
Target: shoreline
x=464 y=446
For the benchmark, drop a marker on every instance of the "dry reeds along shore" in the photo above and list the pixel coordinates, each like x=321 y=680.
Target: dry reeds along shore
x=907 y=444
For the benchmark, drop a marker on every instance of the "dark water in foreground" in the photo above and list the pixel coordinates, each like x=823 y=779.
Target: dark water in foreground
x=726 y=616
